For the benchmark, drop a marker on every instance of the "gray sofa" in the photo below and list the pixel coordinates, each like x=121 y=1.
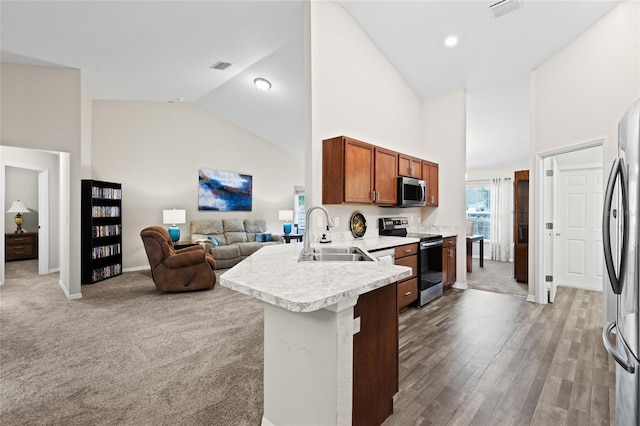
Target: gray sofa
x=231 y=240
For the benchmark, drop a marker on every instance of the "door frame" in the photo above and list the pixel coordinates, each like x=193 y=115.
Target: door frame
x=541 y=199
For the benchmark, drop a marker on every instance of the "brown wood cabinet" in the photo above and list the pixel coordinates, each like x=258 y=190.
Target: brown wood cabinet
x=375 y=356
x=449 y=253
x=521 y=226
x=430 y=173
x=21 y=246
x=407 y=255
x=385 y=177
x=357 y=172
x=409 y=166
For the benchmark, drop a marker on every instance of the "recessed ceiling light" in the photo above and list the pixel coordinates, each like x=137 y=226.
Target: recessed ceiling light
x=262 y=84
x=451 y=41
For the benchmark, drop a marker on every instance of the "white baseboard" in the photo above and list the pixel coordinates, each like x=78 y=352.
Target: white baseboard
x=66 y=293
x=531 y=298
x=51 y=271
x=137 y=268
x=459 y=285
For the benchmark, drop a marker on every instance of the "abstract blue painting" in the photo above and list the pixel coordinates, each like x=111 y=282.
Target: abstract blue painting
x=224 y=191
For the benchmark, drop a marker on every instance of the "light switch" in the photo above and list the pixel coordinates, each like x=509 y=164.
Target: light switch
x=336 y=221
x=356 y=325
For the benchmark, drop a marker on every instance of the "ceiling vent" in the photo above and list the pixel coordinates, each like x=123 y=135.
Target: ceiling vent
x=221 y=65
x=505 y=6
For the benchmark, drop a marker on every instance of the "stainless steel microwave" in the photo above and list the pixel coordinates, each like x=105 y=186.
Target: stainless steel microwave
x=411 y=192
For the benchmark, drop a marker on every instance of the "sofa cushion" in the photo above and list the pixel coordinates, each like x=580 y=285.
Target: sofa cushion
x=247 y=249
x=226 y=256
x=234 y=231
x=253 y=227
x=202 y=229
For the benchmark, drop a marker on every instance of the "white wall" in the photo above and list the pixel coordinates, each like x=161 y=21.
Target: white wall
x=356 y=92
x=155 y=150
x=498 y=121
x=40 y=109
x=580 y=94
x=444 y=126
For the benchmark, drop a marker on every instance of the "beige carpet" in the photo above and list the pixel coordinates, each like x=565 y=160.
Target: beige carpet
x=126 y=354
x=496 y=277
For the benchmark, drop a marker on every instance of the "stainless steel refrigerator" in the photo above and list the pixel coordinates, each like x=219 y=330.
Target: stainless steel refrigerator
x=621 y=239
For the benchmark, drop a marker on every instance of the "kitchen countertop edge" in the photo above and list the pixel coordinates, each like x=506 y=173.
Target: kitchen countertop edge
x=274 y=275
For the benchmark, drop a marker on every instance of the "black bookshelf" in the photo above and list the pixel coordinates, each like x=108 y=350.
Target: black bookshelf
x=101 y=231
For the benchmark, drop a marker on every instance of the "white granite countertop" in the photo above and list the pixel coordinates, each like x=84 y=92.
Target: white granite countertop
x=274 y=275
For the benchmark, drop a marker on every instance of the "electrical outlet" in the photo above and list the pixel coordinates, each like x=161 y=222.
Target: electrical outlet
x=336 y=221
x=356 y=325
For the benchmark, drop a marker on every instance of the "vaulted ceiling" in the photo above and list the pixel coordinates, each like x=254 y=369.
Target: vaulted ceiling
x=163 y=51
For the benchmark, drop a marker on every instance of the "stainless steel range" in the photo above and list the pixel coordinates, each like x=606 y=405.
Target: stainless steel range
x=430 y=256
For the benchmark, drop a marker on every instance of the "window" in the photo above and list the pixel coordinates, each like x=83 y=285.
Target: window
x=479 y=207
x=298 y=210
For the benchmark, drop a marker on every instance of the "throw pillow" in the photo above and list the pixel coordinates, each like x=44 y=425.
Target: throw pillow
x=263 y=237
x=214 y=241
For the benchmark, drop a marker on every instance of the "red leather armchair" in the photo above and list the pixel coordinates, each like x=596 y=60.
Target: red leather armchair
x=177 y=270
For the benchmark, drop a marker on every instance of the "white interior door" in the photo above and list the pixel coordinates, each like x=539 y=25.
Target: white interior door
x=579 y=227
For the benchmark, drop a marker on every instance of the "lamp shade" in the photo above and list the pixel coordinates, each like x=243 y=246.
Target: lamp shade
x=18 y=207
x=174 y=216
x=285 y=215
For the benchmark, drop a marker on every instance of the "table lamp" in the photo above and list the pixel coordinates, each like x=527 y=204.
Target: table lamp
x=18 y=207
x=173 y=217
x=287 y=216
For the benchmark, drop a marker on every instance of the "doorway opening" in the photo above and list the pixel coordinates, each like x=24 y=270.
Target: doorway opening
x=52 y=169
x=570 y=187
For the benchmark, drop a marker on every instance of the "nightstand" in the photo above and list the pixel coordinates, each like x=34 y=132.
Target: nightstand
x=292 y=237
x=183 y=244
x=21 y=246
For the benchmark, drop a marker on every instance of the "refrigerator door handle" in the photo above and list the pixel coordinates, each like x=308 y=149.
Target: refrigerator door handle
x=617 y=171
x=613 y=351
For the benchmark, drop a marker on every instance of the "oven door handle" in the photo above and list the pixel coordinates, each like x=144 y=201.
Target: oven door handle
x=424 y=246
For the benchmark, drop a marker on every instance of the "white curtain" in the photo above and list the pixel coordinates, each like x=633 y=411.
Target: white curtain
x=501 y=219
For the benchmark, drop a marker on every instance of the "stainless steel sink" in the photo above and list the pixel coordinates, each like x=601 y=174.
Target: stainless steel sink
x=336 y=254
x=336 y=250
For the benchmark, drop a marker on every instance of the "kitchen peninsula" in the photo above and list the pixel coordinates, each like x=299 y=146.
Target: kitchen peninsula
x=309 y=329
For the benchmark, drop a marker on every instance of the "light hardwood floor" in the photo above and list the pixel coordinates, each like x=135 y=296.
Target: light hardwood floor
x=479 y=358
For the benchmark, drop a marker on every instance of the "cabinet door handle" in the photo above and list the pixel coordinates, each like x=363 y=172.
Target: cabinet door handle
x=408 y=251
x=373 y=195
x=407 y=293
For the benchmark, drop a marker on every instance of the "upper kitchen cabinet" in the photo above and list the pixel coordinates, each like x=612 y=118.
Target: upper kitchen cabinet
x=357 y=172
x=409 y=166
x=385 y=177
x=430 y=172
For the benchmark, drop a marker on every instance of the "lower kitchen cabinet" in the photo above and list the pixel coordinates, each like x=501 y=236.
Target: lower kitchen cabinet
x=407 y=255
x=449 y=252
x=375 y=356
